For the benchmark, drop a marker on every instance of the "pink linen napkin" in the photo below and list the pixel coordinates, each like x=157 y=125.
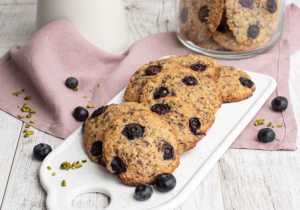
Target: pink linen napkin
x=58 y=51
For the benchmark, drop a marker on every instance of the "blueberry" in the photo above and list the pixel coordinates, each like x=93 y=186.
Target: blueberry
x=280 y=104
x=165 y=182
x=266 y=135
x=80 y=113
x=41 y=150
x=143 y=192
x=71 y=82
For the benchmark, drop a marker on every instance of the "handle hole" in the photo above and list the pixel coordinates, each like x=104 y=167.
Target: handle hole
x=91 y=201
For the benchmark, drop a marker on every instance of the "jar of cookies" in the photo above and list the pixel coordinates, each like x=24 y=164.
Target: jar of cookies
x=229 y=29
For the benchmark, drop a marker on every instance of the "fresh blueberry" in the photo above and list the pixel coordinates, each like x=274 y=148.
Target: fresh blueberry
x=41 y=150
x=280 y=104
x=80 y=113
x=143 y=192
x=71 y=82
x=266 y=135
x=165 y=182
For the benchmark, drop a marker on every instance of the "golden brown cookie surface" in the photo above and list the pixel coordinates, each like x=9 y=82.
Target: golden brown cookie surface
x=235 y=85
x=187 y=85
x=139 y=146
x=190 y=124
x=96 y=125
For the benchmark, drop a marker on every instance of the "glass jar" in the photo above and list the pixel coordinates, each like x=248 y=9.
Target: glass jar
x=229 y=29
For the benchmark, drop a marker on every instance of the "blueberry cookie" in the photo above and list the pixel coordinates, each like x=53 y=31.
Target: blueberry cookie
x=198 y=19
x=190 y=124
x=228 y=41
x=235 y=85
x=187 y=85
x=97 y=124
x=252 y=21
x=202 y=64
x=139 y=146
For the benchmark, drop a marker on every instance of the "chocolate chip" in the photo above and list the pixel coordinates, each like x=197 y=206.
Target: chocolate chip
x=246 y=82
x=203 y=13
x=133 y=131
x=153 y=70
x=184 y=15
x=99 y=111
x=198 y=67
x=253 y=31
x=96 y=149
x=160 y=93
x=160 y=109
x=190 y=80
x=271 y=6
x=117 y=165
x=168 y=151
x=247 y=3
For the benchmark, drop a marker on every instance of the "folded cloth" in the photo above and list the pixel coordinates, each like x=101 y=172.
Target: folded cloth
x=59 y=51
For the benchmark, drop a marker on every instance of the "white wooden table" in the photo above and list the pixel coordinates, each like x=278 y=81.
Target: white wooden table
x=242 y=179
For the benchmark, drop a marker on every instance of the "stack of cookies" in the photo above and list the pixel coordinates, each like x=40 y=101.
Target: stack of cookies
x=170 y=105
x=236 y=25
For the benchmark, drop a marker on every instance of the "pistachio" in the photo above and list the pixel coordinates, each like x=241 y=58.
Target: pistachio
x=18 y=107
x=21 y=117
x=90 y=101
x=27 y=98
x=73 y=164
x=68 y=166
x=89 y=106
x=75 y=89
x=27 y=126
x=272 y=126
x=259 y=122
x=53 y=174
x=91 y=91
x=93 y=107
x=99 y=85
x=30 y=132
x=64 y=183
x=26 y=136
x=32 y=111
x=84 y=96
x=77 y=162
x=17 y=93
x=78 y=165
x=84 y=161
x=270 y=123
x=25 y=102
x=31 y=121
x=25 y=130
x=23 y=90
x=279 y=125
x=49 y=168
x=28 y=116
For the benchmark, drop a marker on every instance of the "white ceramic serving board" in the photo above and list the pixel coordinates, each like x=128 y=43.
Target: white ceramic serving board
x=231 y=119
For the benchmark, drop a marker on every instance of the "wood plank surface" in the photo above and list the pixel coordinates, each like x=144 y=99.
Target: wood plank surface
x=10 y=128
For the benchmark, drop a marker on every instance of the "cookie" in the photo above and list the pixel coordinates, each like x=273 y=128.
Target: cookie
x=252 y=21
x=203 y=65
x=228 y=41
x=187 y=85
x=189 y=124
x=199 y=19
x=139 y=146
x=235 y=85
x=210 y=44
x=96 y=125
